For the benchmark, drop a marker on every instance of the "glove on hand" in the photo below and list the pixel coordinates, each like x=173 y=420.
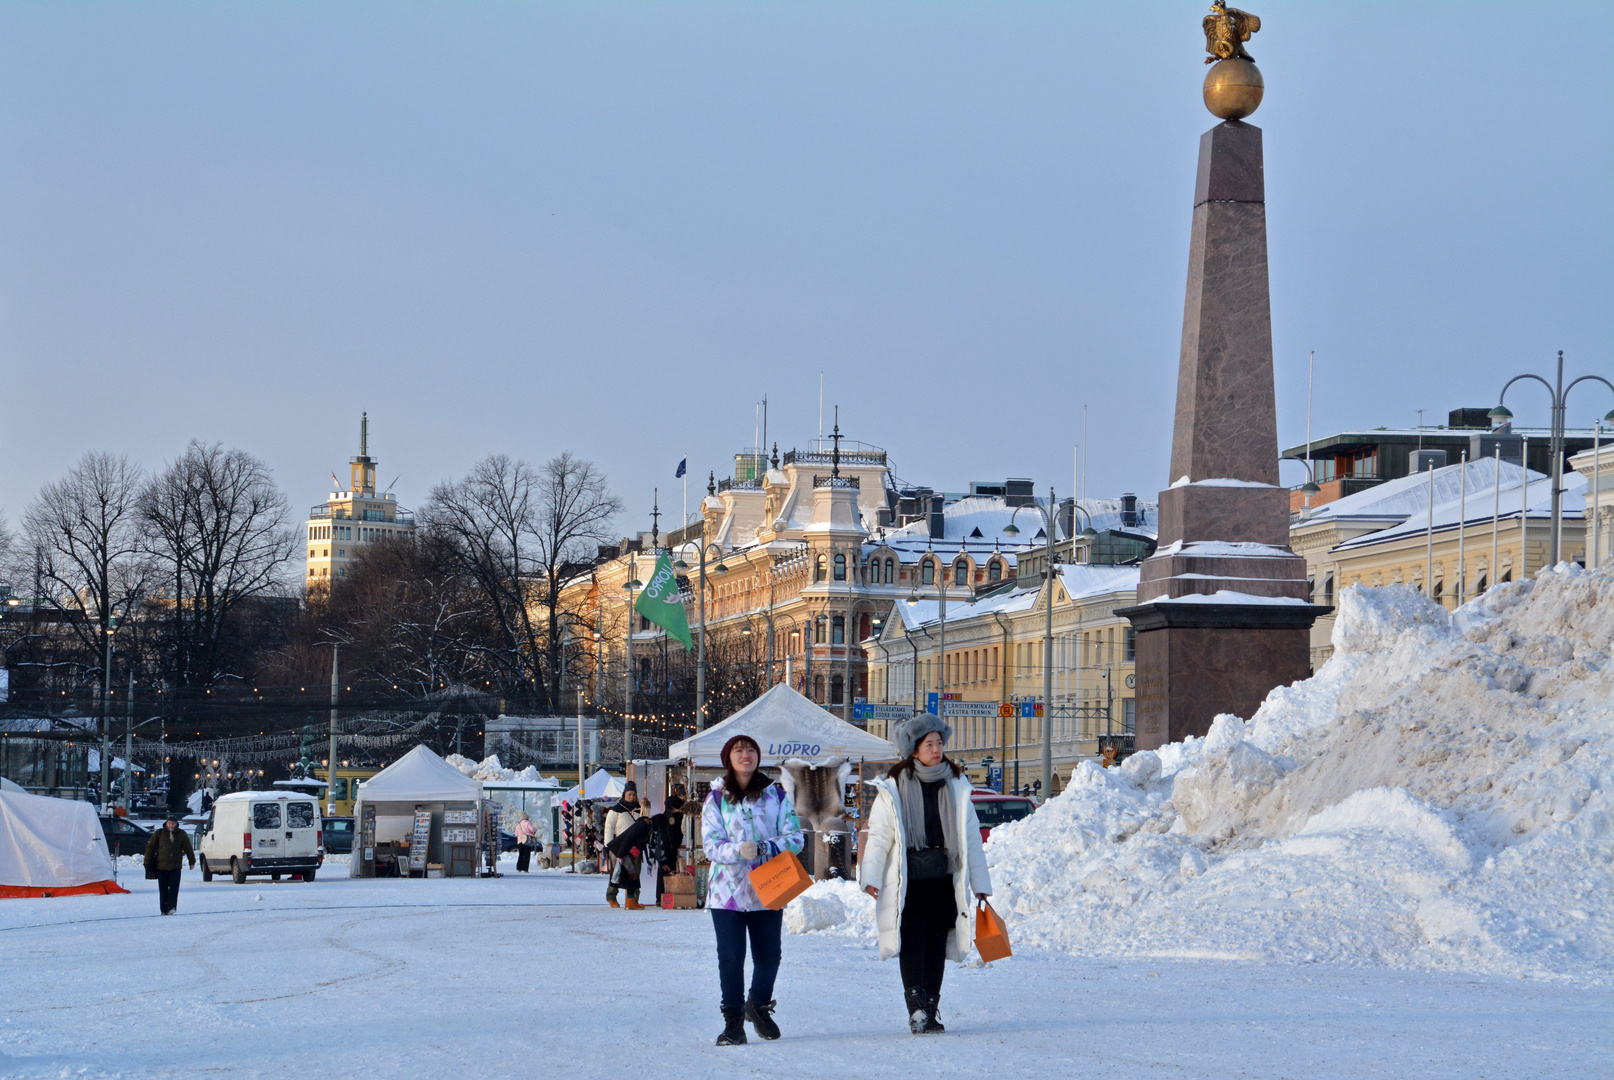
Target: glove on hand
x=748 y=850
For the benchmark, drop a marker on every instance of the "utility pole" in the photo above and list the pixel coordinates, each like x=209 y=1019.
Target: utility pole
x=330 y=772
x=128 y=744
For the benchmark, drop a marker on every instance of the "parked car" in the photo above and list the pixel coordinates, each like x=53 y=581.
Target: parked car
x=339 y=835
x=993 y=809
x=262 y=833
x=124 y=837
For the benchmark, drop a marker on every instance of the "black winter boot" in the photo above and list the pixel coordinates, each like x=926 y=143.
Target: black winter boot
x=932 y=1025
x=916 y=1009
x=733 y=1028
x=761 y=1017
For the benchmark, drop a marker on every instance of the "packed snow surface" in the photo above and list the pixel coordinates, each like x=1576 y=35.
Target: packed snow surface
x=1436 y=796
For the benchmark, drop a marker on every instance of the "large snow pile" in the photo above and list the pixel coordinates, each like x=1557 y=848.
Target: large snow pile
x=491 y=768
x=1436 y=796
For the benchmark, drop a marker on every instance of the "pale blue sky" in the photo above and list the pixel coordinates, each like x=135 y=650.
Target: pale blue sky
x=612 y=228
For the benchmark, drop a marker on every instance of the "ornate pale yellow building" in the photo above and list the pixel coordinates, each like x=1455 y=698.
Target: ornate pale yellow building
x=338 y=529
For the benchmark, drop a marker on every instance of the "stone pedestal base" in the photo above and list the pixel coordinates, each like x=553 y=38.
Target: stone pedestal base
x=1195 y=660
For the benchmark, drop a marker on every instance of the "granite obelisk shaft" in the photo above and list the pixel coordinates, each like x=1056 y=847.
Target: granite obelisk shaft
x=1224 y=521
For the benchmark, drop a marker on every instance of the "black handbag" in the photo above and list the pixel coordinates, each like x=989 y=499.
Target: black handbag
x=151 y=871
x=927 y=864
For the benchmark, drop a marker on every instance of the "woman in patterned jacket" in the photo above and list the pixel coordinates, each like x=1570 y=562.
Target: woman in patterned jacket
x=746 y=821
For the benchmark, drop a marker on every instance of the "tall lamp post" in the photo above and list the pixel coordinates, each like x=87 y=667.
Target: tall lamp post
x=1559 y=393
x=700 y=647
x=629 y=586
x=1047 y=514
x=106 y=719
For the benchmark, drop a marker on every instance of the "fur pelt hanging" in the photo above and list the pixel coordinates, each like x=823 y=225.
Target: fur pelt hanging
x=818 y=792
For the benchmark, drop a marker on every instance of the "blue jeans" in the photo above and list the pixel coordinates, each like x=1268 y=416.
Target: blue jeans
x=765 y=929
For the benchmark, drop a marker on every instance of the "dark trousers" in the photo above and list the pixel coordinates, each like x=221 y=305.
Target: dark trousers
x=624 y=875
x=764 y=928
x=523 y=858
x=928 y=916
x=168 y=890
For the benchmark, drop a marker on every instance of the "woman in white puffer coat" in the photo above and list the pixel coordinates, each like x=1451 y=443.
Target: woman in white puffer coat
x=923 y=863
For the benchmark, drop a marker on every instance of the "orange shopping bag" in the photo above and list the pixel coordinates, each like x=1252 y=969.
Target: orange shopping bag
x=991 y=936
x=780 y=880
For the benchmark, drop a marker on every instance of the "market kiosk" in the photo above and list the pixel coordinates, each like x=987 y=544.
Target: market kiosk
x=420 y=817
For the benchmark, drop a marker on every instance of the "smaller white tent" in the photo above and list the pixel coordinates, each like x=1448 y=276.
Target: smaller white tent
x=602 y=785
x=786 y=726
x=419 y=778
x=51 y=847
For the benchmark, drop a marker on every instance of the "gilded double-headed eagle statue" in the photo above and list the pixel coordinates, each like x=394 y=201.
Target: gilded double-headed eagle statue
x=1226 y=31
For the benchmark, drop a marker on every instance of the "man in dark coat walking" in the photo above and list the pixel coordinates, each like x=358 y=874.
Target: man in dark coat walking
x=166 y=853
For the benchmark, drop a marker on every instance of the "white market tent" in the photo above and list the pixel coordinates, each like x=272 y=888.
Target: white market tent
x=602 y=785
x=786 y=726
x=51 y=847
x=418 y=779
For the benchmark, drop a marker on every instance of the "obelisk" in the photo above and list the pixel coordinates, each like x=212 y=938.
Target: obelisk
x=1222 y=614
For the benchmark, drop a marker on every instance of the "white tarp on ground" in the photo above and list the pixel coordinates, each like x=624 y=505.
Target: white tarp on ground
x=602 y=785
x=786 y=725
x=50 y=843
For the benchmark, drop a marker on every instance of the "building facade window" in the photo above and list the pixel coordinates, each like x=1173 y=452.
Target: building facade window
x=1131 y=645
x=840 y=568
x=837 y=690
x=994 y=571
x=961 y=572
x=838 y=630
x=821 y=568
x=927 y=572
x=890 y=575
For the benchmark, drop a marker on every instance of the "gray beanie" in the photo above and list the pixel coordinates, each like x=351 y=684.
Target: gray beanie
x=910 y=733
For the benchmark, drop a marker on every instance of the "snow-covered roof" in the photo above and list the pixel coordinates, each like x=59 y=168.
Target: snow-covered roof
x=1405 y=501
x=924 y=612
x=1083 y=580
x=420 y=776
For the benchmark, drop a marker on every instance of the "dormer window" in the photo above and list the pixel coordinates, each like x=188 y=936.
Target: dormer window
x=994 y=571
x=840 y=568
x=927 y=572
x=961 y=572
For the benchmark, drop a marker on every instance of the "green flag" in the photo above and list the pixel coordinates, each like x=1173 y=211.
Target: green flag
x=661 y=603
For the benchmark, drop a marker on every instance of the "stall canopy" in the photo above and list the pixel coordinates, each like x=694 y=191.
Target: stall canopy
x=420 y=776
x=51 y=847
x=602 y=785
x=786 y=725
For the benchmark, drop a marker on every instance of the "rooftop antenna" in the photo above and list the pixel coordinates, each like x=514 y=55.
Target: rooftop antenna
x=655 y=520
x=364 y=434
x=820 y=409
x=1420 y=430
x=762 y=446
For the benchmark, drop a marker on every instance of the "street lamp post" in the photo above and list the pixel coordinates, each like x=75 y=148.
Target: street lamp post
x=700 y=648
x=1559 y=393
x=1047 y=514
x=631 y=584
x=106 y=718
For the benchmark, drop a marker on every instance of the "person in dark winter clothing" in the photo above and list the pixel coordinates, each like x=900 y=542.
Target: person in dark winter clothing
x=745 y=822
x=923 y=860
x=166 y=852
x=625 y=874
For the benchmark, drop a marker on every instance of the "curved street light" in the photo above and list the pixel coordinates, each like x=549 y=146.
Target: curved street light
x=1047 y=513
x=1560 y=394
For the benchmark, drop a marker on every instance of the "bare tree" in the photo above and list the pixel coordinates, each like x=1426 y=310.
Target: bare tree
x=85 y=533
x=575 y=510
x=513 y=530
x=219 y=528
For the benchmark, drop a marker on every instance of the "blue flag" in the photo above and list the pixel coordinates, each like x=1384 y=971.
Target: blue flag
x=680 y=471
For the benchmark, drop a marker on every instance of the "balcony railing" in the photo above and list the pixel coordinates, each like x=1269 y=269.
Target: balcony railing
x=872 y=455
x=739 y=485
x=836 y=482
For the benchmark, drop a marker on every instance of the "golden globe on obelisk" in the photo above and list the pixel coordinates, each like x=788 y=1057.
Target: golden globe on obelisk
x=1223 y=614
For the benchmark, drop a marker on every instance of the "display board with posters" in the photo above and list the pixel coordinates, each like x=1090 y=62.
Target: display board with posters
x=420 y=841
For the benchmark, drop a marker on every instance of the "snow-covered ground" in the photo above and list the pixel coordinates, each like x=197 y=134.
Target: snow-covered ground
x=1401 y=867
x=532 y=975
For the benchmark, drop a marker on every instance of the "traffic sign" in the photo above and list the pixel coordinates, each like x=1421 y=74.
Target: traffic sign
x=881 y=712
x=1005 y=709
x=970 y=708
x=1029 y=709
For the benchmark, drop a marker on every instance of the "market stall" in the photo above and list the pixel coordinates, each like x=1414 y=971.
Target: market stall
x=801 y=743
x=420 y=817
x=51 y=847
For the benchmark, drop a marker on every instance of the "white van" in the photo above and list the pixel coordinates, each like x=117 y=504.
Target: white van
x=263 y=833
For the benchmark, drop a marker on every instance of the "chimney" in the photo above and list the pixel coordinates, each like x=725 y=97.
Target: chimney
x=938 y=528
x=1129 y=511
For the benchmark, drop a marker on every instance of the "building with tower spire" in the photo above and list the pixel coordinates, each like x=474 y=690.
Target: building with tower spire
x=339 y=528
